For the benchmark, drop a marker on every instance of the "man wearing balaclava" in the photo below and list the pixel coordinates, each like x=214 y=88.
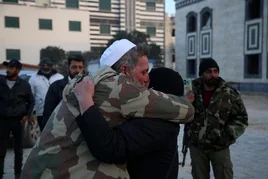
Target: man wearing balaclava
x=220 y=118
x=40 y=83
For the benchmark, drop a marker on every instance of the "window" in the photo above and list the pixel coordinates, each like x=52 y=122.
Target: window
x=191 y=68
x=12 y=22
x=150 y=6
x=12 y=54
x=191 y=22
x=151 y=31
x=14 y=1
x=253 y=9
x=173 y=58
x=253 y=66
x=74 y=26
x=45 y=24
x=105 y=5
x=105 y=29
x=75 y=53
x=72 y=4
x=173 y=32
x=206 y=18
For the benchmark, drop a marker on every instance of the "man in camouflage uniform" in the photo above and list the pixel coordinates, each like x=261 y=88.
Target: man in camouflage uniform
x=61 y=151
x=220 y=118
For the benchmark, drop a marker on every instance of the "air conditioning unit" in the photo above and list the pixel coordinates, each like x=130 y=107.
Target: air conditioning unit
x=44 y=3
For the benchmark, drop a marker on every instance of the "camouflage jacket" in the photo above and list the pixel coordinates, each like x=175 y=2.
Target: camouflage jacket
x=61 y=151
x=222 y=122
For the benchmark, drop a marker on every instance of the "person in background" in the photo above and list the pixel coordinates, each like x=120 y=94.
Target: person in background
x=220 y=118
x=16 y=106
x=54 y=93
x=40 y=83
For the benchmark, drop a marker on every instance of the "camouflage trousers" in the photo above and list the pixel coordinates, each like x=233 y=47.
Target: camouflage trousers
x=220 y=160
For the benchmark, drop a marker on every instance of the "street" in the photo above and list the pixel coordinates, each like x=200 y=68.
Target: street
x=249 y=153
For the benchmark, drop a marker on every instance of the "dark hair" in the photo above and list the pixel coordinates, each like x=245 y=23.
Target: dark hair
x=132 y=56
x=78 y=58
x=167 y=81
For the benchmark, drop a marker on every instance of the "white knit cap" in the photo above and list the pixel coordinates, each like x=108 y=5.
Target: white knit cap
x=115 y=51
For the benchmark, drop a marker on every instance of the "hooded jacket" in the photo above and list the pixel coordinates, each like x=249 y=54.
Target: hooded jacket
x=61 y=151
x=39 y=85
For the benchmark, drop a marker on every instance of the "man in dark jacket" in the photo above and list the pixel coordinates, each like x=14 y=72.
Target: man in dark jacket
x=54 y=94
x=16 y=105
x=220 y=118
x=149 y=146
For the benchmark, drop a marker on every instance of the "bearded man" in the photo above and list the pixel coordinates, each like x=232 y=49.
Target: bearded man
x=220 y=118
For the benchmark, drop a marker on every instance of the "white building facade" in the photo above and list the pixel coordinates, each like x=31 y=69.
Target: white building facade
x=234 y=33
x=27 y=27
x=107 y=17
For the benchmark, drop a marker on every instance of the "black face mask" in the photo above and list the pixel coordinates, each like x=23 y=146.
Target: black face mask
x=46 y=70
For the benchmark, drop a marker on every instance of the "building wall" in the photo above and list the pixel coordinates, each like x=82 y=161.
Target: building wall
x=228 y=37
x=169 y=42
x=30 y=39
x=125 y=15
x=148 y=18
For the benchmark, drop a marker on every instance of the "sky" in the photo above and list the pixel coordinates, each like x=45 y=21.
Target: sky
x=170 y=6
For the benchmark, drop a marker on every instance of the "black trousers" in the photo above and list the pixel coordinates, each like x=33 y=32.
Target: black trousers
x=6 y=126
x=40 y=122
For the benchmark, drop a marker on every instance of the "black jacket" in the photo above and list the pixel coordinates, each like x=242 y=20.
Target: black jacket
x=149 y=146
x=17 y=101
x=53 y=98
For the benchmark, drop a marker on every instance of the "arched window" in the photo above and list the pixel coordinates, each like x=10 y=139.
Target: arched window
x=206 y=18
x=191 y=22
x=253 y=9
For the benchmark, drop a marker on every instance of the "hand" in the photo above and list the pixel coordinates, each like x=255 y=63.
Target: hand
x=23 y=120
x=84 y=92
x=84 y=89
x=190 y=96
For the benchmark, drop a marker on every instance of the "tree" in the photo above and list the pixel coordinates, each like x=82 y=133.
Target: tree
x=118 y=36
x=155 y=52
x=138 y=37
x=55 y=54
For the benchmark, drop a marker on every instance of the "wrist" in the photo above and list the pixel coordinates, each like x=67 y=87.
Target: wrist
x=85 y=104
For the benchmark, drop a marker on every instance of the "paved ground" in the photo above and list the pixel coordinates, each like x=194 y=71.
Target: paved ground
x=249 y=154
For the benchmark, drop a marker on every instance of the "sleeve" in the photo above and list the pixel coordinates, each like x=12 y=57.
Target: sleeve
x=30 y=99
x=238 y=118
x=33 y=88
x=117 y=145
x=51 y=102
x=31 y=82
x=138 y=101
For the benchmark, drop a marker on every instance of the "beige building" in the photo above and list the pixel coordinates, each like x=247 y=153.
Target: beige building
x=170 y=60
x=26 y=28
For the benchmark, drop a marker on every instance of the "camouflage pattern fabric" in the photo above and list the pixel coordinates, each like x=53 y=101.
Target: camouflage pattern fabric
x=61 y=151
x=222 y=122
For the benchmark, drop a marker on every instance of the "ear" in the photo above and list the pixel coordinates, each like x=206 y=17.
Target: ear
x=123 y=69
